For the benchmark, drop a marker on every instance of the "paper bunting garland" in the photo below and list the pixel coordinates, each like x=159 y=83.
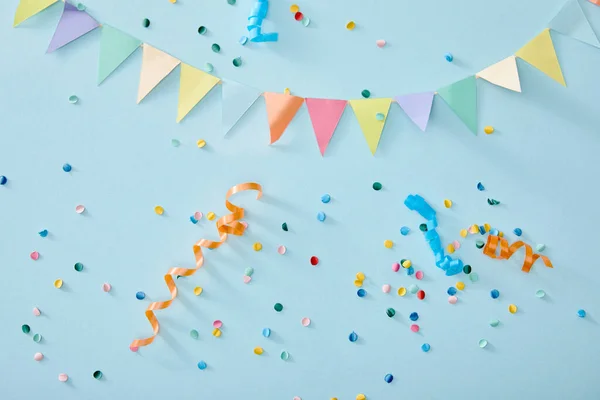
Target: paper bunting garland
x=504 y=74
x=324 y=114
x=72 y=25
x=193 y=86
x=571 y=21
x=115 y=47
x=417 y=107
x=366 y=111
x=461 y=96
x=156 y=66
x=28 y=8
x=237 y=99
x=540 y=53
x=281 y=109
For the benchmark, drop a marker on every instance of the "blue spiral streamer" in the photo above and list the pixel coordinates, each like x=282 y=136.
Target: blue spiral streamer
x=255 y=20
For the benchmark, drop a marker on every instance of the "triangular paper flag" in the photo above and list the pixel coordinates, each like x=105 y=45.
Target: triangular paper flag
x=540 y=53
x=417 y=107
x=156 y=65
x=325 y=115
x=366 y=111
x=193 y=86
x=237 y=99
x=461 y=96
x=115 y=47
x=28 y=8
x=281 y=109
x=73 y=24
x=504 y=74
x=571 y=21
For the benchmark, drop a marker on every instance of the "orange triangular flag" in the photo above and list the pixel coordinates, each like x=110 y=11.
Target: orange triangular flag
x=281 y=109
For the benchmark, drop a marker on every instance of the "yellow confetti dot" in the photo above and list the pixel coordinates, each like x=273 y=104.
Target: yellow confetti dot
x=501 y=234
x=358 y=283
x=401 y=291
x=286 y=91
x=447 y=203
x=450 y=248
x=58 y=283
x=258 y=351
x=488 y=129
x=198 y=290
x=463 y=233
x=210 y=216
x=407 y=264
x=294 y=8
x=512 y=308
x=360 y=276
x=388 y=244
x=201 y=143
x=173 y=1
x=487 y=227
x=257 y=246
x=217 y=332
x=361 y=396
x=460 y=285
x=474 y=229
x=350 y=25
x=159 y=210
x=334 y=398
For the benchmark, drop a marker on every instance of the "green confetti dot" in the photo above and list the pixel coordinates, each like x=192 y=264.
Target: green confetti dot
x=467 y=269
x=37 y=338
x=480 y=244
x=278 y=307
x=249 y=271
x=284 y=226
x=377 y=186
x=73 y=99
x=493 y=202
x=175 y=143
x=423 y=227
x=540 y=247
x=285 y=355
x=194 y=334
x=237 y=62
x=80 y=6
x=366 y=94
x=231 y=2
x=216 y=48
x=25 y=328
x=78 y=267
x=494 y=323
x=202 y=30
x=474 y=277
x=380 y=116
x=97 y=375
x=390 y=312
x=208 y=67
x=146 y=23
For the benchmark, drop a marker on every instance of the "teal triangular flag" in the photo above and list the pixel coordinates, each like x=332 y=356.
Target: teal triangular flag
x=571 y=21
x=115 y=47
x=461 y=96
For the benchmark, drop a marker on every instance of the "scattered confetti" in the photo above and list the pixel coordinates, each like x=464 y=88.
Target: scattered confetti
x=540 y=247
x=80 y=209
x=380 y=116
x=493 y=202
x=25 y=328
x=34 y=255
x=421 y=294
x=413 y=288
x=106 y=287
x=3 y=180
x=37 y=338
x=479 y=244
x=404 y=230
x=480 y=187
x=298 y=16
x=518 y=231
x=425 y=347
x=463 y=233
x=406 y=263
x=63 y=377
x=361 y=396
x=452 y=299
x=540 y=294
x=388 y=378
x=358 y=283
x=175 y=142
x=208 y=67
x=284 y=226
x=353 y=337
x=314 y=260
x=140 y=295
x=365 y=93
x=237 y=62
x=410 y=271
x=350 y=25
x=231 y=2
x=396 y=267
x=380 y=43
x=494 y=323
x=483 y=343
x=67 y=167
x=488 y=130
x=305 y=321
x=38 y=356
x=361 y=292
x=284 y=355
x=321 y=216
x=512 y=308
x=581 y=313
x=58 y=283
x=474 y=277
x=247 y=279
x=146 y=23
x=198 y=290
x=377 y=186
x=390 y=312
x=413 y=316
x=193 y=220
x=450 y=248
x=202 y=365
x=451 y=291
x=278 y=307
x=388 y=244
x=194 y=334
x=36 y=312
x=202 y=30
x=78 y=267
x=243 y=40
x=159 y=210
x=257 y=246
x=401 y=291
x=43 y=233
x=415 y=328
x=449 y=57
x=217 y=332
x=266 y=332
x=386 y=288
x=258 y=351
x=460 y=285
x=80 y=6
x=447 y=203
x=494 y=293
x=215 y=47
x=97 y=375
x=326 y=198
x=217 y=324
x=281 y=249
x=73 y=99
x=419 y=275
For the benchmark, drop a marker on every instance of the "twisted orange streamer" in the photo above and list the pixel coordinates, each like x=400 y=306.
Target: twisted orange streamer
x=506 y=252
x=226 y=225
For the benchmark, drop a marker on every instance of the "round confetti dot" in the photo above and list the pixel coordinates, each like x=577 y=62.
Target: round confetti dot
x=386 y=288
x=474 y=229
x=581 y=313
x=480 y=187
x=456 y=244
x=314 y=260
x=451 y=291
x=321 y=216
x=406 y=263
x=483 y=343
x=494 y=293
x=67 y=167
x=493 y=202
x=281 y=250
x=80 y=209
x=540 y=294
x=388 y=244
x=266 y=332
x=58 y=283
x=450 y=248
x=217 y=324
x=540 y=247
x=306 y=21
x=97 y=375
x=326 y=198
x=447 y=203
x=215 y=47
x=401 y=291
x=78 y=267
x=237 y=62
x=73 y=99
x=380 y=43
x=452 y=299
x=390 y=312
x=421 y=294
x=198 y=290
x=247 y=279
x=202 y=365
x=258 y=351
x=305 y=321
x=360 y=276
x=449 y=57
x=388 y=378
x=380 y=116
x=198 y=215
x=231 y=2
x=146 y=23
x=36 y=311
x=43 y=233
x=193 y=220
x=474 y=277
x=404 y=230
x=413 y=288
x=494 y=232
x=358 y=283
x=217 y=332
x=415 y=328
x=361 y=396
x=286 y=91
x=396 y=267
x=361 y=292
x=278 y=307
x=460 y=285
x=353 y=337
x=63 y=377
x=37 y=338
x=38 y=356
x=298 y=16
x=25 y=328
x=482 y=229
x=34 y=255
x=134 y=349
x=413 y=316
x=419 y=275
x=294 y=8
x=159 y=210
x=243 y=40
x=512 y=308
x=297 y=398
x=467 y=269
x=194 y=334
x=175 y=142
x=208 y=67
x=140 y=295
x=423 y=227
x=463 y=233
x=3 y=180
x=518 y=231
x=80 y=6
x=257 y=246
x=494 y=323
x=106 y=287
x=284 y=355
x=410 y=271
x=211 y=216
x=284 y=227
x=350 y=25
x=202 y=30
x=488 y=130
x=479 y=244
x=365 y=93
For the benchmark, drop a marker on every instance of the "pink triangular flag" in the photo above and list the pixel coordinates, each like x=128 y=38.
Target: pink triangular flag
x=324 y=115
x=156 y=65
x=73 y=24
x=417 y=106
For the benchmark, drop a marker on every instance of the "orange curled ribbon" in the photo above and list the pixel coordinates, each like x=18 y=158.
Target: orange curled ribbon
x=506 y=252
x=226 y=225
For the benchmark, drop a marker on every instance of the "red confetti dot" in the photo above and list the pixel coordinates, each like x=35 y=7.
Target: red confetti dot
x=133 y=348
x=314 y=260
x=420 y=294
x=298 y=16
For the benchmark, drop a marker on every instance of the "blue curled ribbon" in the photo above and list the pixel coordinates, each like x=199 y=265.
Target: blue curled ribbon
x=258 y=13
x=444 y=262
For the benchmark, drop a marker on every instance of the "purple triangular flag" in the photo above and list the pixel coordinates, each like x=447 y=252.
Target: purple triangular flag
x=72 y=25
x=417 y=106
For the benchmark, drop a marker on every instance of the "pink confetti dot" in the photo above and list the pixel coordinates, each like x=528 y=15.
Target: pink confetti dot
x=305 y=321
x=217 y=324
x=396 y=267
x=247 y=279
x=456 y=244
x=80 y=209
x=297 y=398
x=133 y=348
x=419 y=275
x=106 y=287
x=63 y=377
x=414 y=328
x=386 y=288
x=34 y=255
x=281 y=250
x=452 y=299
x=380 y=43
x=244 y=223
x=38 y=357
x=198 y=215
x=36 y=312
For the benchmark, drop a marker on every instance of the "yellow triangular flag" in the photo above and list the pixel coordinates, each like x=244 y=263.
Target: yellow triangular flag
x=371 y=115
x=193 y=86
x=156 y=65
x=540 y=53
x=28 y=8
x=504 y=74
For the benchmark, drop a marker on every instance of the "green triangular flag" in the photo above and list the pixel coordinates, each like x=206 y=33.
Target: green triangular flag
x=461 y=96
x=115 y=47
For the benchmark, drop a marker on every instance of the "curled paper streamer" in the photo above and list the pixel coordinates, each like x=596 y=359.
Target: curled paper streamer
x=226 y=225
x=507 y=251
x=442 y=261
x=255 y=20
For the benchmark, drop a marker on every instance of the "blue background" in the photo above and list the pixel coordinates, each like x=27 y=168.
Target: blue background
x=541 y=163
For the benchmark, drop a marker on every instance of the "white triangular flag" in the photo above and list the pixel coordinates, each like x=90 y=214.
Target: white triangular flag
x=504 y=74
x=237 y=99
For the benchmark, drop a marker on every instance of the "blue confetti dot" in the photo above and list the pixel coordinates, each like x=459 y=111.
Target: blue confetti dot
x=389 y=378
x=266 y=332
x=43 y=233
x=202 y=365
x=451 y=291
x=361 y=292
x=326 y=198
x=243 y=40
x=414 y=316
x=404 y=230
x=480 y=187
x=353 y=337
x=3 y=180
x=140 y=295
x=494 y=232
x=410 y=271
x=67 y=167
x=193 y=220
x=425 y=347
x=449 y=57
x=495 y=293
x=321 y=216
x=482 y=229
x=518 y=231
x=581 y=313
